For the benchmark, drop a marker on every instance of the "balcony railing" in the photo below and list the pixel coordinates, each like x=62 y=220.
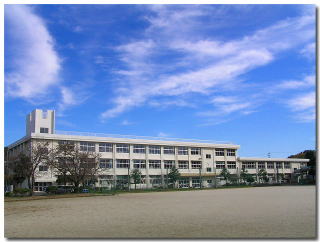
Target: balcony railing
x=75 y=133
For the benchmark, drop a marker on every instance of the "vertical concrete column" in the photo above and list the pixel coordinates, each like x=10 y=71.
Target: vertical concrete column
x=190 y=181
x=114 y=165
x=189 y=158
x=162 y=166
x=257 y=170
x=214 y=165
x=147 y=167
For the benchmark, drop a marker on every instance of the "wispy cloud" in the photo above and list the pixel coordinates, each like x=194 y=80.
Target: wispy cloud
x=303 y=106
x=198 y=65
x=126 y=123
x=163 y=134
x=34 y=64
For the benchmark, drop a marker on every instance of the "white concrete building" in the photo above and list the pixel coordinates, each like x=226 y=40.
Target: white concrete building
x=199 y=162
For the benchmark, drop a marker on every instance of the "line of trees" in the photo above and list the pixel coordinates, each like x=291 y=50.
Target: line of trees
x=67 y=162
x=244 y=176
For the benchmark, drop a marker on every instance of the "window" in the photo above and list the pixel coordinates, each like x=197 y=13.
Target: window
x=89 y=163
x=168 y=150
x=106 y=163
x=122 y=148
x=270 y=165
x=43 y=168
x=196 y=182
x=41 y=186
x=278 y=164
x=141 y=149
x=44 y=130
x=121 y=163
x=155 y=179
x=87 y=146
x=209 y=181
x=139 y=164
x=219 y=152
x=195 y=164
x=261 y=165
x=184 y=183
x=183 y=164
x=287 y=165
x=105 y=147
x=195 y=151
x=153 y=149
x=208 y=156
x=231 y=164
x=44 y=114
x=106 y=180
x=66 y=142
x=231 y=152
x=168 y=164
x=182 y=150
x=220 y=164
x=249 y=165
x=155 y=164
x=209 y=169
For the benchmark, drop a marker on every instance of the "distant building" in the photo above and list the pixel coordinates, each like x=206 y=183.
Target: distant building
x=199 y=162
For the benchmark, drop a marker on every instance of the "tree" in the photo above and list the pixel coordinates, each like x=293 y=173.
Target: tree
x=174 y=175
x=136 y=176
x=21 y=167
x=74 y=165
x=225 y=174
x=244 y=174
x=25 y=165
x=249 y=178
x=263 y=175
x=311 y=155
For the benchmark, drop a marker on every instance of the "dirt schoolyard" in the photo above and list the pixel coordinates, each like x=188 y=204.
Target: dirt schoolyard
x=265 y=212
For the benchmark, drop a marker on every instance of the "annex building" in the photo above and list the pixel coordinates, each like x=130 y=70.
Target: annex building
x=199 y=162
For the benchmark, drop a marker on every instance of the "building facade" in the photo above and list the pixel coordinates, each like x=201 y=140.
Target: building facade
x=199 y=162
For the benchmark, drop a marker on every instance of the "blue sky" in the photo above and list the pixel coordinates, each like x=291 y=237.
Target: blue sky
x=238 y=73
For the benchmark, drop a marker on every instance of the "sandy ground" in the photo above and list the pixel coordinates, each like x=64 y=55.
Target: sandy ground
x=266 y=212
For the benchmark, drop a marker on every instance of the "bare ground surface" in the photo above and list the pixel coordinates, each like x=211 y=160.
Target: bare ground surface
x=265 y=212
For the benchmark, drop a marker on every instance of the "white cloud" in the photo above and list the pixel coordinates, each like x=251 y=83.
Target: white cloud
x=304 y=102
x=35 y=64
x=303 y=106
x=208 y=65
x=70 y=97
x=307 y=81
x=162 y=134
x=309 y=51
x=126 y=123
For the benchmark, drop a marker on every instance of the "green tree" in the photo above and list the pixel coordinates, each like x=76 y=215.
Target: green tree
x=263 y=175
x=225 y=174
x=244 y=174
x=249 y=178
x=311 y=155
x=136 y=176
x=174 y=175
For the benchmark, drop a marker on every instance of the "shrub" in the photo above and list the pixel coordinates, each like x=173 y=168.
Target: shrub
x=21 y=191
x=8 y=194
x=52 y=189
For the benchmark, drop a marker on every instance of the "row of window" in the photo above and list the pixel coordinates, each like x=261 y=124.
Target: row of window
x=156 y=164
x=155 y=180
x=152 y=149
x=262 y=165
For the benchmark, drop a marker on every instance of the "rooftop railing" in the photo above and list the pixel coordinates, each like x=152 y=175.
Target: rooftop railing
x=75 y=133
